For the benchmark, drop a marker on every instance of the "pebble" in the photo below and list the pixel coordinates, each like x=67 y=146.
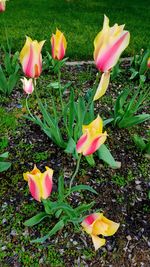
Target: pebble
x=4 y=221
x=128 y=237
x=3 y=248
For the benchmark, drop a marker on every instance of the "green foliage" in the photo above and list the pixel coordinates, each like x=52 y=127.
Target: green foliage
x=7 y=121
x=52 y=65
x=127 y=106
x=142 y=143
x=61 y=209
x=139 y=66
x=122 y=181
x=4 y=166
x=39 y=156
x=9 y=73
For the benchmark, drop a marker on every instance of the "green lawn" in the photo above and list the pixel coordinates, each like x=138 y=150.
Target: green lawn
x=80 y=20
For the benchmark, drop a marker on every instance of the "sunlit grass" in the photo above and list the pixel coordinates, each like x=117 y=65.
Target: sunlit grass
x=80 y=20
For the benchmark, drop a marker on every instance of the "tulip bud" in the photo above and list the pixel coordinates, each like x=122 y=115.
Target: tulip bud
x=27 y=86
x=31 y=58
x=40 y=184
x=2 y=5
x=59 y=45
x=109 y=44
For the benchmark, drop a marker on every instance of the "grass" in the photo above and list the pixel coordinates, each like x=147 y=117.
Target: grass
x=79 y=20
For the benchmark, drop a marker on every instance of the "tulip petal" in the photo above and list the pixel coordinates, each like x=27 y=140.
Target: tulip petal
x=34 y=188
x=95 y=144
x=103 y=85
x=98 y=242
x=88 y=221
x=109 y=57
x=105 y=227
x=46 y=183
x=81 y=142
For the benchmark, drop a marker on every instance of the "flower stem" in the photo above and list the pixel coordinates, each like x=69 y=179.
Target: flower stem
x=60 y=92
x=76 y=171
x=27 y=107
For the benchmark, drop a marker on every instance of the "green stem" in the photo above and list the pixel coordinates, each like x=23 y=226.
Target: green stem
x=60 y=92
x=27 y=107
x=76 y=171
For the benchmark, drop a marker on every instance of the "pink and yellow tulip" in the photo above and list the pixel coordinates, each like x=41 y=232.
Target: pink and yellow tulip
x=59 y=45
x=96 y=224
x=31 y=58
x=148 y=63
x=109 y=44
x=40 y=184
x=92 y=137
x=27 y=85
x=2 y=5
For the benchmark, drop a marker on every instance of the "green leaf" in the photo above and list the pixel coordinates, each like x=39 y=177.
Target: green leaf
x=4 y=166
x=71 y=148
x=84 y=207
x=134 y=73
x=105 y=122
x=118 y=109
x=138 y=140
x=4 y=155
x=90 y=160
x=105 y=155
x=79 y=188
x=36 y=219
x=61 y=188
x=128 y=122
x=58 y=226
x=143 y=66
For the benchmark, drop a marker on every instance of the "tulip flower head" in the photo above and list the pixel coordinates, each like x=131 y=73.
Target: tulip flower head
x=59 y=45
x=40 y=184
x=27 y=85
x=148 y=63
x=92 y=137
x=109 y=44
x=2 y=5
x=96 y=224
x=31 y=58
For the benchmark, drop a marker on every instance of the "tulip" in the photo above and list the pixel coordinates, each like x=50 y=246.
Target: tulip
x=96 y=224
x=27 y=86
x=59 y=45
x=148 y=63
x=109 y=44
x=31 y=58
x=40 y=184
x=92 y=137
x=2 y=5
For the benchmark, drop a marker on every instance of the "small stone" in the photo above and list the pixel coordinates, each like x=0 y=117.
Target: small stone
x=4 y=221
x=3 y=248
x=128 y=237
x=75 y=243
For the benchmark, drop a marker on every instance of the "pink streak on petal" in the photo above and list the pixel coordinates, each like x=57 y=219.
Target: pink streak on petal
x=53 y=46
x=33 y=189
x=89 y=219
x=61 y=51
x=48 y=185
x=28 y=68
x=81 y=142
x=104 y=62
x=93 y=147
